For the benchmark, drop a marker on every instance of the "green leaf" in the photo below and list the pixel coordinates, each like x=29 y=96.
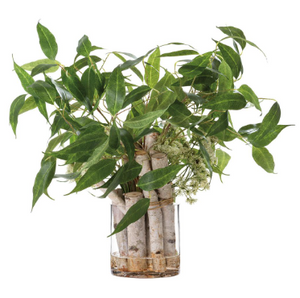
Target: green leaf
x=25 y=78
x=180 y=53
x=15 y=108
x=84 y=46
x=114 y=137
x=263 y=158
x=133 y=214
x=114 y=181
x=64 y=94
x=197 y=99
x=164 y=94
x=226 y=101
x=44 y=68
x=152 y=68
x=142 y=121
x=250 y=95
x=85 y=62
x=219 y=125
x=115 y=91
x=196 y=66
x=225 y=81
x=29 y=104
x=44 y=91
x=223 y=159
x=95 y=174
x=248 y=129
x=232 y=58
x=97 y=154
x=268 y=129
x=128 y=142
x=41 y=104
x=180 y=114
x=83 y=149
x=135 y=95
x=47 y=42
x=206 y=157
x=77 y=89
x=131 y=171
x=31 y=65
x=88 y=81
x=235 y=33
x=158 y=178
x=43 y=179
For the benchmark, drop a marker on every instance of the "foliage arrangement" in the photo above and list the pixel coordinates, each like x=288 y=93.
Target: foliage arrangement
x=102 y=113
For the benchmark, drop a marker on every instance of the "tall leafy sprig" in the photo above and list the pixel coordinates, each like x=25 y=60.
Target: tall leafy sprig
x=100 y=117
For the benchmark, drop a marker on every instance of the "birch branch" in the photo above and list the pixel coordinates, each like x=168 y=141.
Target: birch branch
x=115 y=197
x=136 y=234
x=160 y=160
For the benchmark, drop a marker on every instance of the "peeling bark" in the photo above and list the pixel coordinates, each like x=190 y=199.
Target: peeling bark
x=121 y=237
x=155 y=243
x=160 y=160
x=136 y=234
x=115 y=196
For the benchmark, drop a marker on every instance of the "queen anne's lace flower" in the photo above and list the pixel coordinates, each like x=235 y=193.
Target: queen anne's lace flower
x=196 y=176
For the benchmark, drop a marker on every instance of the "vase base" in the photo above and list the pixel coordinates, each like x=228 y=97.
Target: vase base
x=119 y=267
x=144 y=274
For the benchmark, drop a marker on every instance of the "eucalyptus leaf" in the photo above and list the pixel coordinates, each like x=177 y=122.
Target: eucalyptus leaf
x=236 y=33
x=135 y=95
x=44 y=68
x=159 y=177
x=142 y=121
x=84 y=46
x=28 y=105
x=131 y=171
x=95 y=174
x=180 y=53
x=250 y=96
x=43 y=179
x=226 y=101
x=196 y=66
x=232 y=58
x=25 y=78
x=263 y=158
x=115 y=91
x=223 y=160
x=47 y=42
x=152 y=68
x=268 y=130
x=15 y=108
x=88 y=81
x=128 y=142
x=43 y=91
x=219 y=125
x=114 y=137
x=133 y=214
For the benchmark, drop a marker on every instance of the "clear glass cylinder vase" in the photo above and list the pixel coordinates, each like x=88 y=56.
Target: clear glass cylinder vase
x=149 y=247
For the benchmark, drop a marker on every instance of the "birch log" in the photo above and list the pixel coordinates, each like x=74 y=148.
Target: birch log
x=136 y=234
x=115 y=196
x=160 y=160
x=155 y=224
x=121 y=237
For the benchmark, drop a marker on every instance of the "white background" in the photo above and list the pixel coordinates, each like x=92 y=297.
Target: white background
x=241 y=239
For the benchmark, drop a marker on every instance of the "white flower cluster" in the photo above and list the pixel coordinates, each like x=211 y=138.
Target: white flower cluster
x=196 y=175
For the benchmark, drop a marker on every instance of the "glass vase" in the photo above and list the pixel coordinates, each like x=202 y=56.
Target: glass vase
x=133 y=250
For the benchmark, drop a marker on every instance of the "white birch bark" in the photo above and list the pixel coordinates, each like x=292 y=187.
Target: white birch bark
x=150 y=140
x=160 y=160
x=155 y=243
x=121 y=237
x=136 y=234
x=115 y=196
